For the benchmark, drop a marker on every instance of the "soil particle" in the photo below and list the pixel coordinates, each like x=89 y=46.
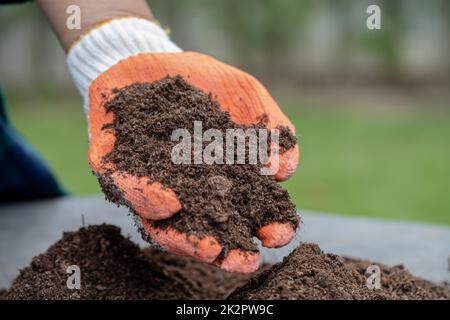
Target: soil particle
x=228 y=201
x=286 y=139
x=308 y=273
x=113 y=267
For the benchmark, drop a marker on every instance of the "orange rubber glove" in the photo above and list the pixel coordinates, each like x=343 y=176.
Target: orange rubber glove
x=237 y=92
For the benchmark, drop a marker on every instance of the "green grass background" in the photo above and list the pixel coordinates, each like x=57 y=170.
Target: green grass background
x=377 y=164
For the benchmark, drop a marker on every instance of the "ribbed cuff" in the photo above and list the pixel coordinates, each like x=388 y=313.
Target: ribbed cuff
x=103 y=47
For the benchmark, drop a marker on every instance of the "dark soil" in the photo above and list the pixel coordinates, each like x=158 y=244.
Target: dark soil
x=113 y=267
x=204 y=281
x=308 y=273
x=227 y=201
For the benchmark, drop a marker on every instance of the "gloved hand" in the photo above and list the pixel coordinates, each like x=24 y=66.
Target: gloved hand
x=128 y=50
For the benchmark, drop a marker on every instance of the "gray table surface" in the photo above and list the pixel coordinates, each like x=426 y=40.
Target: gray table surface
x=28 y=229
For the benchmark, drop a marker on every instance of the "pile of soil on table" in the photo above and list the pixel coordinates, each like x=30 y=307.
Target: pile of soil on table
x=228 y=201
x=308 y=273
x=113 y=267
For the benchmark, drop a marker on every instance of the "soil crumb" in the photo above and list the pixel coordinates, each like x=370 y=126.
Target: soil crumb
x=113 y=267
x=229 y=201
x=308 y=273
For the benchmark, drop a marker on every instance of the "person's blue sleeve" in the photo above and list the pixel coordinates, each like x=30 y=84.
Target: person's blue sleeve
x=23 y=174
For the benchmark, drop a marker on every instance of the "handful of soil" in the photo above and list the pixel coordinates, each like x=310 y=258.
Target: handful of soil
x=308 y=273
x=228 y=201
x=113 y=267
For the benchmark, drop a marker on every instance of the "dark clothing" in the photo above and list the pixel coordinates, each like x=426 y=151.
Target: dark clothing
x=23 y=174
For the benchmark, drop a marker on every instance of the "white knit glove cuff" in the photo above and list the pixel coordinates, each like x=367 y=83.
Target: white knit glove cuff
x=103 y=47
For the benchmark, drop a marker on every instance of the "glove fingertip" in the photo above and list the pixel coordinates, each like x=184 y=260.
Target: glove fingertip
x=276 y=234
x=239 y=261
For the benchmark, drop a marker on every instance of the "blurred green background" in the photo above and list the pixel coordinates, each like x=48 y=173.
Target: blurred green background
x=371 y=108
